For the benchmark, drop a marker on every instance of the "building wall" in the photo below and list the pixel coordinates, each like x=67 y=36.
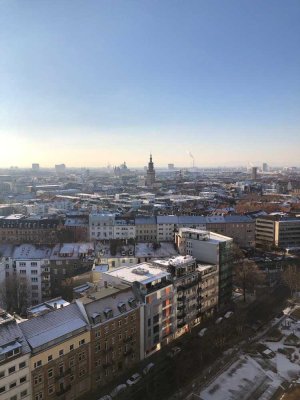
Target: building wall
x=16 y=383
x=67 y=365
x=115 y=347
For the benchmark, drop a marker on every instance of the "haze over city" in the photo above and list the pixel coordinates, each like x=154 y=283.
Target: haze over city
x=87 y=83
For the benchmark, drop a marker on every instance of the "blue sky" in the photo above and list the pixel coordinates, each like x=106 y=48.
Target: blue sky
x=87 y=82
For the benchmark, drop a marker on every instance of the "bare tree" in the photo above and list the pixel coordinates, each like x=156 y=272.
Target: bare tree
x=15 y=295
x=291 y=277
x=247 y=275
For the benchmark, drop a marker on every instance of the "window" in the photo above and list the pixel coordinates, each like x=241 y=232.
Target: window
x=71 y=347
x=23 y=379
x=38 y=379
x=22 y=365
x=81 y=356
x=120 y=336
x=50 y=389
x=71 y=362
x=34 y=279
x=38 y=396
x=97 y=333
x=2 y=374
x=119 y=323
x=81 y=342
x=37 y=364
x=82 y=372
x=34 y=272
x=23 y=393
x=2 y=389
x=11 y=370
x=12 y=385
x=61 y=352
x=14 y=397
x=50 y=358
x=50 y=373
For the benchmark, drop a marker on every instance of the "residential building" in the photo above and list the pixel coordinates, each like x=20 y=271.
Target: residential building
x=277 y=231
x=15 y=382
x=60 y=354
x=187 y=293
x=101 y=226
x=19 y=229
x=212 y=248
x=68 y=260
x=154 y=290
x=146 y=229
x=30 y=269
x=114 y=316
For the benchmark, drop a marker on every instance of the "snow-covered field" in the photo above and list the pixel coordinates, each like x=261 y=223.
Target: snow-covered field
x=258 y=377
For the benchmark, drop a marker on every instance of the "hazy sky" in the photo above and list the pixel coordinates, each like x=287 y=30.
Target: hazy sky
x=87 y=82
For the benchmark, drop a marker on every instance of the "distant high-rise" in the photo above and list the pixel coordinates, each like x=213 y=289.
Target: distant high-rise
x=265 y=167
x=35 y=167
x=170 y=166
x=254 y=173
x=150 y=178
x=60 y=168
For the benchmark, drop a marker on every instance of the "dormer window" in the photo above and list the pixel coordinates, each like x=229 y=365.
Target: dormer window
x=108 y=312
x=132 y=302
x=122 y=307
x=96 y=318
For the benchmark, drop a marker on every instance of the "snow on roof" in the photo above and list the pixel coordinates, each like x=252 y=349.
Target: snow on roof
x=31 y=252
x=144 y=273
x=53 y=326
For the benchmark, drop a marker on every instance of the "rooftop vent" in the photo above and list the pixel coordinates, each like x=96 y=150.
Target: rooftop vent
x=140 y=271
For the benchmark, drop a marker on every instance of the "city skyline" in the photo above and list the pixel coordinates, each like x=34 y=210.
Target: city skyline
x=94 y=83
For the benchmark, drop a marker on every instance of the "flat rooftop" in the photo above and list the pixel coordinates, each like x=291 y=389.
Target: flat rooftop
x=210 y=236
x=143 y=273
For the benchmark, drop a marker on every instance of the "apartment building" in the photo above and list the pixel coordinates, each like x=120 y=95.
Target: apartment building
x=277 y=231
x=153 y=288
x=186 y=280
x=114 y=316
x=30 y=269
x=209 y=289
x=124 y=229
x=241 y=228
x=15 y=383
x=18 y=228
x=101 y=226
x=68 y=260
x=60 y=355
x=146 y=229
x=212 y=248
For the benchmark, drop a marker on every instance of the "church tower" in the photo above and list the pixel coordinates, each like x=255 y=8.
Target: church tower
x=150 y=178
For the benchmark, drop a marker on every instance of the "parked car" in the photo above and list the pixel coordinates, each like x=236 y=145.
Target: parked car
x=106 y=397
x=133 y=379
x=148 y=368
x=202 y=332
x=118 y=389
x=174 y=351
x=219 y=320
x=228 y=314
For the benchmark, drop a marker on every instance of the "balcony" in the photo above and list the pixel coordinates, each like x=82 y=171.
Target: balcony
x=128 y=352
x=107 y=350
x=181 y=324
x=127 y=340
x=63 y=374
x=63 y=391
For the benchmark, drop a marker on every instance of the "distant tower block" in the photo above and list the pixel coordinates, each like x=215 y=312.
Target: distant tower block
x=171 y=166
x=150 y=178
x=35 y=167
x=254 y=173
x=265 y=167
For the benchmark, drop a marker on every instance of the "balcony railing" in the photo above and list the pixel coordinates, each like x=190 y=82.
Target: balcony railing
x=63 y=374
x=63 y=391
